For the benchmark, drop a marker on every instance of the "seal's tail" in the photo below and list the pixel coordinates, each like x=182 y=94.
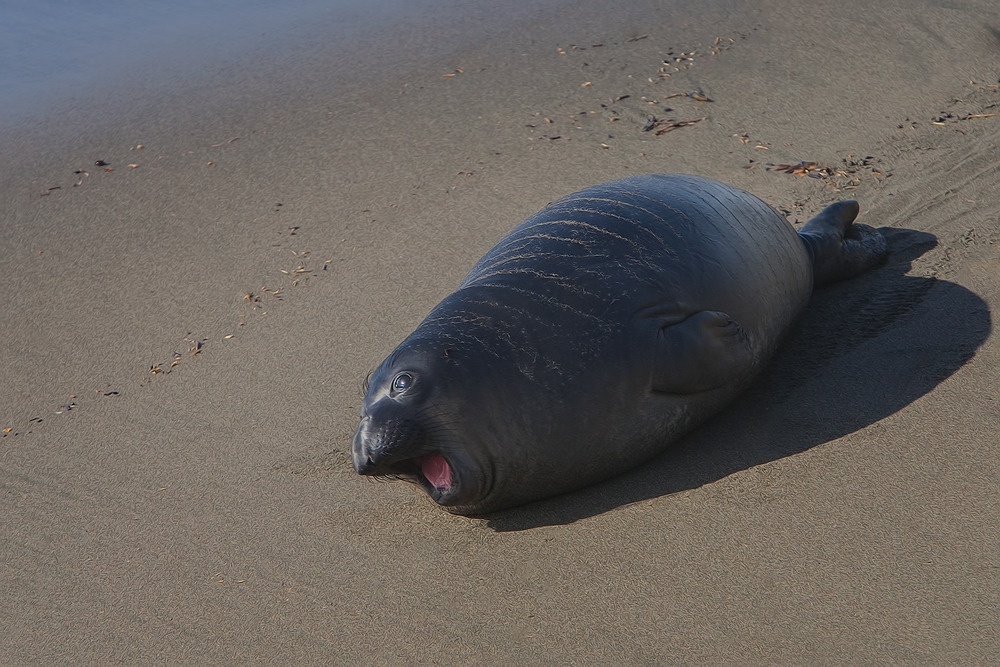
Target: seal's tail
x=840 y=249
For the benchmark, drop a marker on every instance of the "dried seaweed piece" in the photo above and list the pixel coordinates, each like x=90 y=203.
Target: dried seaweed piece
x=696 y=95
x=668 y=125
x=801 y=167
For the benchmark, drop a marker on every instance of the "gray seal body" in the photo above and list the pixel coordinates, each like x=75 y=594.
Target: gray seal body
x=593 y=335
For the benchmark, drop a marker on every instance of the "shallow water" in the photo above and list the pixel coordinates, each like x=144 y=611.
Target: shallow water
x=53 y=50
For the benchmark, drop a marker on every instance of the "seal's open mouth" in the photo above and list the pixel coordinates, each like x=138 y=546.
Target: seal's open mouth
x=435 y=470
x=432 y=472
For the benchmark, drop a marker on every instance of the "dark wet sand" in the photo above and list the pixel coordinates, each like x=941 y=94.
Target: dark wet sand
x=294 y=215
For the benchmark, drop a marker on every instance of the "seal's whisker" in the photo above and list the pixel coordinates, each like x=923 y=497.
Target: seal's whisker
x=367 y=383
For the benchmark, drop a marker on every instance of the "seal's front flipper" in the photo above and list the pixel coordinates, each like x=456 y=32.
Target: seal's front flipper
x=840 y=249
x=706 y=351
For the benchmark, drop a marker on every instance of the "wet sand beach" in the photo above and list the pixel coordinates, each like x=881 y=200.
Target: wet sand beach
x=189 y=325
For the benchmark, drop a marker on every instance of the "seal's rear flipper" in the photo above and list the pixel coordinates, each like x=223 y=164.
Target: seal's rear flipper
x=838 y=248
x=706 y=351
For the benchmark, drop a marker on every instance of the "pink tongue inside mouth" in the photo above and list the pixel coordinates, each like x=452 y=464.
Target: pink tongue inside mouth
x=436 y=470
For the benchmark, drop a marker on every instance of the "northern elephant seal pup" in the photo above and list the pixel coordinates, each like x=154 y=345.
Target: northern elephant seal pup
x=595 y=334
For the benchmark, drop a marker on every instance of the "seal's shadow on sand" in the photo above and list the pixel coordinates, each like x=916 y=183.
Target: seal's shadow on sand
x=863 y=350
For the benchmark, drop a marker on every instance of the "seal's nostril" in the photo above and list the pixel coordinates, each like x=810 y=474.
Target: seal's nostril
x=370 y=462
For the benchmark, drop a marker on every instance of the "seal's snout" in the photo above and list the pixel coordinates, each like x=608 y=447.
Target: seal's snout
x=399 y=450
x=383 y=447
x=365 y=463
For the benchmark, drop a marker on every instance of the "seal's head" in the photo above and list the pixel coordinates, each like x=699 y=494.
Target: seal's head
x=412 y=427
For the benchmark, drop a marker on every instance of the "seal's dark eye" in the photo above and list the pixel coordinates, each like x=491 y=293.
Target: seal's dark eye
x=402 y=382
